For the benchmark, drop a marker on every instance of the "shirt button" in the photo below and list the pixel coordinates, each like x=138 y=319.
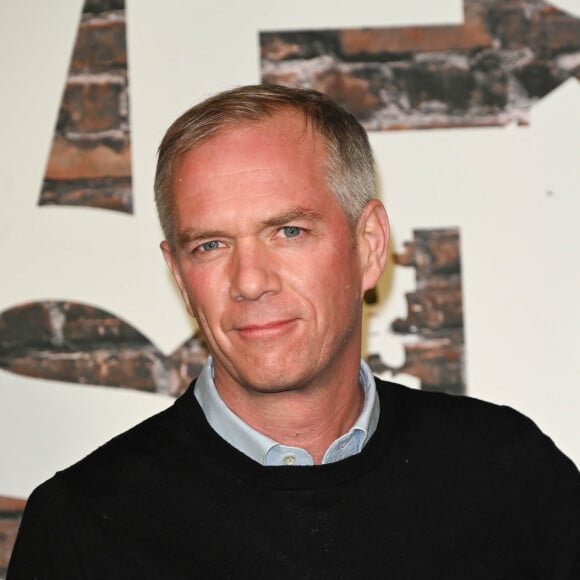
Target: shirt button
x=289 y=459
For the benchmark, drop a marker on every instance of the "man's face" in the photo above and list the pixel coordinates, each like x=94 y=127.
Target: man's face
x=265 y=259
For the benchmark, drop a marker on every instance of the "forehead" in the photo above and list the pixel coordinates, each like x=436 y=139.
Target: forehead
x=251 y=174
x=286 y=128
x=282 y=146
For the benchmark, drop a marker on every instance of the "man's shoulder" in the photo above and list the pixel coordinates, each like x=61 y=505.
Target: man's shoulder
x=468 y=430
x=447 y=412
x=141 y=452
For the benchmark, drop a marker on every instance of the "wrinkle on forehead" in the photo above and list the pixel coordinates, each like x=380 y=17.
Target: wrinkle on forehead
x=299 y=129
x=279 y=157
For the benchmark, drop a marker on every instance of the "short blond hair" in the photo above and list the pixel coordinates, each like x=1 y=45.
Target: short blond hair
x=349 y=163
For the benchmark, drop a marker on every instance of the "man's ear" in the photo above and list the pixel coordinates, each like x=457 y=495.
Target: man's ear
x=172 y=264
x=372 y=242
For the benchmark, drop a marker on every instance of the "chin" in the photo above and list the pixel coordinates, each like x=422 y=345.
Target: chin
x=277 y=382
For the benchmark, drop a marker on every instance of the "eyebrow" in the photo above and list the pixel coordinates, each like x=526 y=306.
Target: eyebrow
x=190 y=235
x=298 y=213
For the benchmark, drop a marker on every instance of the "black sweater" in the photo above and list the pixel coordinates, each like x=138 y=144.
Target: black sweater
x=448 y=487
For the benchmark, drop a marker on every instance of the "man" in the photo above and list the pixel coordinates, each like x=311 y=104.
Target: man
x=287 y=458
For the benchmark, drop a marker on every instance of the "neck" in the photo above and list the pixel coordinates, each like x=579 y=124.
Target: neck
x=307 y=417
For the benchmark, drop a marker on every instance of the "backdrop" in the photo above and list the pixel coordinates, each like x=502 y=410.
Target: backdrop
x=473 y=111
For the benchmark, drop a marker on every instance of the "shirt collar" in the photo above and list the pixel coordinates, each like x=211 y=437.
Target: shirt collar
x=265 y=450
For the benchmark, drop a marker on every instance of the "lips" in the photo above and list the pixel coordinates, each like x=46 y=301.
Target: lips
x=263 y=329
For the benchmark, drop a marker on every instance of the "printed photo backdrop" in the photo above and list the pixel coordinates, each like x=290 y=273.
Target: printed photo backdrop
x=481 y=293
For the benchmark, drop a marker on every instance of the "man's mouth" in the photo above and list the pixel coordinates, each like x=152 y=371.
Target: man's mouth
x=267 y=329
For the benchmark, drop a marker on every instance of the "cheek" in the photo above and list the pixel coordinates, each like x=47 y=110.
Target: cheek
x=202 y=297
x=330 y=282
x=341 y=268
x=205 y=282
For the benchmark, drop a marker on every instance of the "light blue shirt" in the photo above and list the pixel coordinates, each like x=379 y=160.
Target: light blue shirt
x=266 y=451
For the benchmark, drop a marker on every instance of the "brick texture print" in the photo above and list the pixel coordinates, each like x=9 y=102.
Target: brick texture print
x=78 y=343
x=10 y=514
x=489 y=71
x=435 y=313
x=90 y=158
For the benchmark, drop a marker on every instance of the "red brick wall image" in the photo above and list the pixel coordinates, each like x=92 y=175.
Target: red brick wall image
x=90 y=160
x=434 y=347
x=10 y=514
x=79 y=343
x=488 y=71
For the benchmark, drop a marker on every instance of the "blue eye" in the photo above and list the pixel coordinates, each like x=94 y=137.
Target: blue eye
x=209 y=246
x=291 y=231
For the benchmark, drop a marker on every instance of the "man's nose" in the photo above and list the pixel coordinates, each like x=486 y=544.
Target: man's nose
x=254 y=271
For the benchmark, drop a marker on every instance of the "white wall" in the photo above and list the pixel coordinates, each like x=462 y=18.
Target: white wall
x=521 y=275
